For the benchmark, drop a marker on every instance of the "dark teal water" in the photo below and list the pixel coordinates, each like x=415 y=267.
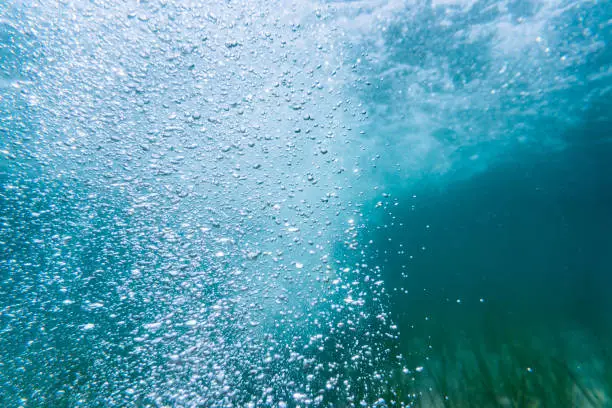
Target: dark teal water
x=530 y=236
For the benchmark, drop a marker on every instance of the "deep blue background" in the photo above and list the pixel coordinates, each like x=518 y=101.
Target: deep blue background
x=531 y=236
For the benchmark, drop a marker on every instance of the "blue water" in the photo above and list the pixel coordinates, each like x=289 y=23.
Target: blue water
x=301 y=204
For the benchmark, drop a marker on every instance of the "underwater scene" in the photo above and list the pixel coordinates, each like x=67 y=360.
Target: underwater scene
x=302 y=203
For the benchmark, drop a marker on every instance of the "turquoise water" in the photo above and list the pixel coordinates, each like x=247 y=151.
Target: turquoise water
x=386 y=203
x=525 y=242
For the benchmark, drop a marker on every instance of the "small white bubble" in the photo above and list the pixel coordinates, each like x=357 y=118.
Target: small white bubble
x=152 y=326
